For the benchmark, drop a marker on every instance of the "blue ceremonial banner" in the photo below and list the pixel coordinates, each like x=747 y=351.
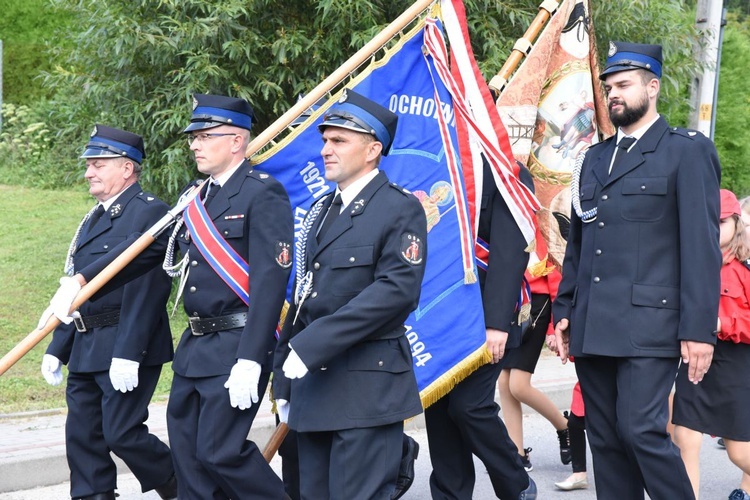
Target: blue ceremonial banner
x=446 y=332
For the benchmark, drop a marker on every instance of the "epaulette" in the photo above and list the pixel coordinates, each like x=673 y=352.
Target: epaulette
x=600 y=143
x=258 y=175
x=685 y=132
x=400 y=189
x=146 y=197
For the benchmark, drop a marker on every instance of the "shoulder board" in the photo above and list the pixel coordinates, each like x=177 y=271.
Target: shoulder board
x=685 y=132
x=746 y=263
x=398 y=188
x=259 y=175
x=600 y=143
x=146 y=197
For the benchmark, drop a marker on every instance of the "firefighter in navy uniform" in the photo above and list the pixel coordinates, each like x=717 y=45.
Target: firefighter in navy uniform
x=343 y=373
x=235 y=241
x=116 y=343
x=641 y=279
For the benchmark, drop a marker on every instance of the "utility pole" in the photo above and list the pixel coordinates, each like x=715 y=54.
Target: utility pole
x=710 y=21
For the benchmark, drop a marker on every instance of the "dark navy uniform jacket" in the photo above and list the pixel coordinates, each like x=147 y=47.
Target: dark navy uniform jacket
x=646 y=273
x=502 y=282
x=143 y=333
x=253 y=213
x=350 y=329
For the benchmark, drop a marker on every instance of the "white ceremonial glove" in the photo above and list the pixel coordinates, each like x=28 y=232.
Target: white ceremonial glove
x=60 y=303
x=293 y=366
x=282 y=406
x=243 y=384
x=52 y=369
x=123 y=373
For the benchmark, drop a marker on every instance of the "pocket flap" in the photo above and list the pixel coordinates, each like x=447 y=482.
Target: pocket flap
x=105 y=245
x=379 y=355
x=351 y=257
x=588 y=191
x=665 y=297
x=644 y=185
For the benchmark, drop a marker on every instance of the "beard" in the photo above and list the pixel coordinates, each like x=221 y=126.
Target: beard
x=628 y=115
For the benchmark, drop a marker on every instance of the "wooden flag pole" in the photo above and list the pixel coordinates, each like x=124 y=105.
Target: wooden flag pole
x=523 y=45
x=337 y=76
x=97 y=282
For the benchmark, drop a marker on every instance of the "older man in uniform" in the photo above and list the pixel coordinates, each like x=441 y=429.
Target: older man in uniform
x=235 y=239
x=640 y=285
x=116 y=344
x=343 y=370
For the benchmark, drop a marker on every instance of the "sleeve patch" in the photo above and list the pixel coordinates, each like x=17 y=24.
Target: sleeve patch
x=412 y=249
x=283 y=252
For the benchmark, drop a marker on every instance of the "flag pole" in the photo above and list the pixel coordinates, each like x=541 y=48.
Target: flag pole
x=337 y=76
x=97 y=282
x=523 y=45
x=380 y=40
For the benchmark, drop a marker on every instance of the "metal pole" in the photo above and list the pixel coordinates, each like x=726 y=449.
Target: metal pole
x=718 y=71
x=708 y=20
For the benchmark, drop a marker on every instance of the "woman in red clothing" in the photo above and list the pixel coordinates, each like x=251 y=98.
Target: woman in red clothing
x=720 y=404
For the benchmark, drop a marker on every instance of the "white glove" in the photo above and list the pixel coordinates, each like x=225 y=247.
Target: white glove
x=282 y=406
x=123 y=373
x=293 y=366
x=60 y=303
x=243 y=384
x=52 y=369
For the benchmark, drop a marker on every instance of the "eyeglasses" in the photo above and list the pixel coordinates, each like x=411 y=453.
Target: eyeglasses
x=201 y=138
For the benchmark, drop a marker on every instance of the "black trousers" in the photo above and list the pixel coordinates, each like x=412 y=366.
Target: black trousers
x=101 y=419
x=349 y=464
x=212 y=455
x=463 y=423
x=627 y=410
x=577 y=428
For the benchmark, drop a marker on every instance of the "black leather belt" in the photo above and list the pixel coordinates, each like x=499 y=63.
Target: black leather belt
x=85 y=323
x=209 y=325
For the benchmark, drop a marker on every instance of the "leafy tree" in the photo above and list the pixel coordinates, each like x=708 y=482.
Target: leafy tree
x=137 y=62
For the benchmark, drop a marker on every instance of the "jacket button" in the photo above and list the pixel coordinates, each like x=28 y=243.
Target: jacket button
x=193 y=289
x=195 y=314
x=605 y=197
x=352 y=259
x=316 y=266
x=726 y=290
x=106 y=247
x=601 y=224
x=323 y=368
x=596 y=279
x=314 y=294
x=598 y=252
x=194 y=263
x=664 y=301
x=643 y=187
x=144 y=353
x=380 y=363
x=226 y=233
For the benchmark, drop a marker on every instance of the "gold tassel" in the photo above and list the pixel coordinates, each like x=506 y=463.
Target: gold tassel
x=470 y=277
x=525 y=313
x=450 y=379
x=531 y=246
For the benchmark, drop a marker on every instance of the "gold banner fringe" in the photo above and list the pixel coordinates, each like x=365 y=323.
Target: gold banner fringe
x=470 y=277
x=450 y=379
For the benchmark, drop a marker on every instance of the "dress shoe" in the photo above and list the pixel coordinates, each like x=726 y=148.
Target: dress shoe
x=406 y=469
x=107 y=495
x=168 y=490
x=530 y=492
x=568 y=485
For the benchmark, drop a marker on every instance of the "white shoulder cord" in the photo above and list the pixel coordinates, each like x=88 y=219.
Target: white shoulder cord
x=304 y=277
x=69 y=267
x=575 y=191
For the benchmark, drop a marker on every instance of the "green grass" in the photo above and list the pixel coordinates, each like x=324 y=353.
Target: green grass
x=37 y=226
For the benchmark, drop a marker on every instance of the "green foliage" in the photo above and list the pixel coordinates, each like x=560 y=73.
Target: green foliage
x=732 y=129
x=37 y=227
x=26 y=28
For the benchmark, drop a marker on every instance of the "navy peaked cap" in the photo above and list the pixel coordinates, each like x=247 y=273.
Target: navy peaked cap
x=624 y=56
x=211 y=111
x=108 y=142
x=356 y=112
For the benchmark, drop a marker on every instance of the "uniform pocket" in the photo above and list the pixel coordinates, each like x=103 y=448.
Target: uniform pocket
x=643 y=198
x=101 y=246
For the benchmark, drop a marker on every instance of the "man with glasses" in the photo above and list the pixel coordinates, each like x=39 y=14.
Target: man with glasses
x=235 y=239
x=116 y=343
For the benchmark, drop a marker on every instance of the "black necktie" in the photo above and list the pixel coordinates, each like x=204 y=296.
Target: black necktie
x=213 y=188
x=93 y=220
x=620 y=152
x=333 y=211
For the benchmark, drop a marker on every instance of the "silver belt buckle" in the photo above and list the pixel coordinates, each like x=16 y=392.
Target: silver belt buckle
x=80 y=326
x=190 y=320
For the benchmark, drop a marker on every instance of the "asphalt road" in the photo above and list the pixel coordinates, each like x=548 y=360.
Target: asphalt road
x=719 y=476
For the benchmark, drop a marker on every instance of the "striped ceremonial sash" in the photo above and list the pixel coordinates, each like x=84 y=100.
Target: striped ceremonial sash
x=222 y=258
x=482 y=254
